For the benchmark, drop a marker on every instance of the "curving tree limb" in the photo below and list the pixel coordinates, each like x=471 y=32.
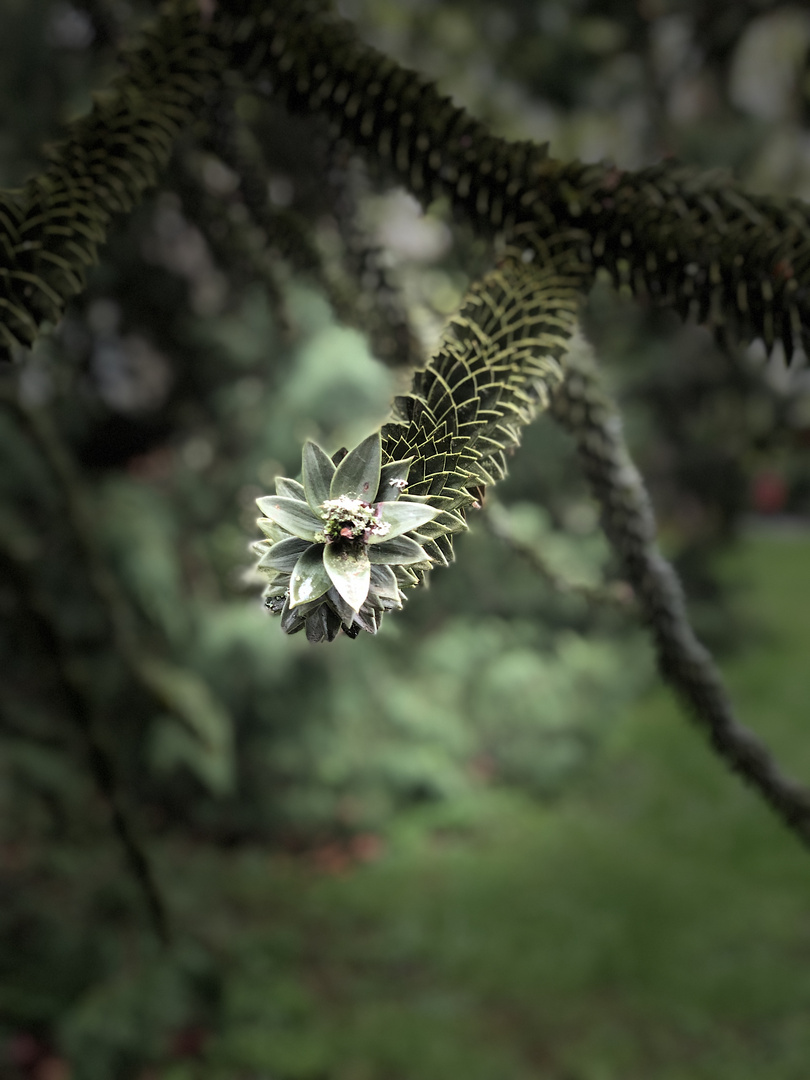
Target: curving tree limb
x=582 y=406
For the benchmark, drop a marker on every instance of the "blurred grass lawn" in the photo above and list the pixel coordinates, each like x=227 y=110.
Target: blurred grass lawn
x=653 y=924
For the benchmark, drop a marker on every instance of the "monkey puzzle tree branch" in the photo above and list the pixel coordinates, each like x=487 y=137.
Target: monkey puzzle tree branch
x=581 y=405
x=232 y=241
x=369 y=290
x=80 y=708
x=51 y=229
x=493 y=372
x=365 y=297
x=685 y=238
x=175 y=690
x=286 y=233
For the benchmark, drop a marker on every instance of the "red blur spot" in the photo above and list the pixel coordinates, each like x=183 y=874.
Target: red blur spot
x=188 y=1042
x=769 y=492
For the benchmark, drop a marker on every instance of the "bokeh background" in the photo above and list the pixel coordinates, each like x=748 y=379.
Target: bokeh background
x=484 y=844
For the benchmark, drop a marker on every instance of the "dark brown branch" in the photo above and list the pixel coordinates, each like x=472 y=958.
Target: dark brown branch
x=582 y=407
x=80 y=708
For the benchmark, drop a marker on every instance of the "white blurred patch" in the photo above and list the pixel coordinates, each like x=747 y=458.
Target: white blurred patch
x=131 y=375
x=768 y=62
x=407 y=232
x=69 y=28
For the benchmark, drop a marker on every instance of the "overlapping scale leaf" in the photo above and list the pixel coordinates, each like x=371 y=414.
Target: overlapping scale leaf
x=393 y=479
x=309 y=579
x=318 y=471
x=400 y=551
x=350 y=573
x=358 y=474
x=494 y=370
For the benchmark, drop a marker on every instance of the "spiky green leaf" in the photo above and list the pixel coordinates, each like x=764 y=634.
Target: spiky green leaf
x=350 y=572
x=318 y=471
x=271 y=530
x=444 y=522
x=344 y=610
x=292 y=620
x=309 y=578
x=384 y=584
x=358 y=475
x=401 y=551
x=284 y=555
x=367 y=619
x=402 y=517
x=292 y=515
x=322 y=624
x=393 y=478
x=290 y=488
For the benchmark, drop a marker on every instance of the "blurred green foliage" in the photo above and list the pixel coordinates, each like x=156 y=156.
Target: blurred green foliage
x=650 y=924
x=508 y=931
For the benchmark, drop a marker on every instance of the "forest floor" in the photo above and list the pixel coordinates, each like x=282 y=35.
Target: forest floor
x=654 y=924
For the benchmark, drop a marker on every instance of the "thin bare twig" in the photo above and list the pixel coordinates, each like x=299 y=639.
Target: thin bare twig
x=78 y=697
x=615 y=593
x=80 y=708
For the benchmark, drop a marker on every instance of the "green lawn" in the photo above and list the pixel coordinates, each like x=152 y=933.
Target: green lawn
x=655 y=924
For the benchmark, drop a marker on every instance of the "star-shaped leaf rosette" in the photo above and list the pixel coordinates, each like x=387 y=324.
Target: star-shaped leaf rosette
x=334 y=540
